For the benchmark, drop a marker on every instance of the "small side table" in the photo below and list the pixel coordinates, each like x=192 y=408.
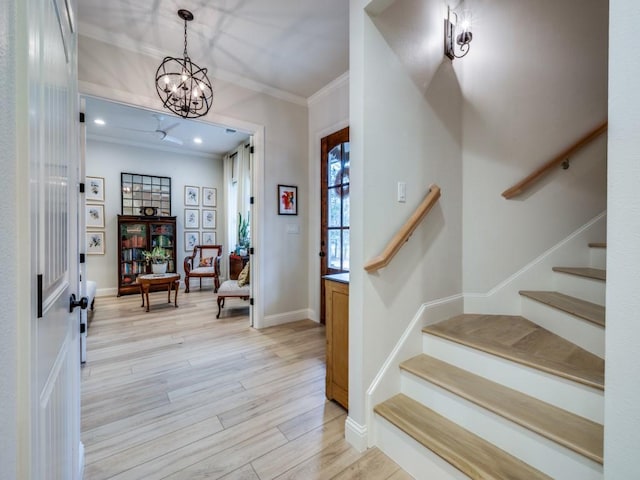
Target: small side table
x=168 y=279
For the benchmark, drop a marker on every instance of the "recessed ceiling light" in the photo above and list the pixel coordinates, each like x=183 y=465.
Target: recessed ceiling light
x=197 y=140
x=99 y=121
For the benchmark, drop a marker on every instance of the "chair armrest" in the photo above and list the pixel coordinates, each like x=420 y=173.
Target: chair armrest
x=188 y=263
x=216 y=264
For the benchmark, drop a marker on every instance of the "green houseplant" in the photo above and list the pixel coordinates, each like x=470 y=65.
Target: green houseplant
x=157 y=258
x=243 y=232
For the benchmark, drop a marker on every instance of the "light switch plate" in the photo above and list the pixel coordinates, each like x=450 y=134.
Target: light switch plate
x=402 y=192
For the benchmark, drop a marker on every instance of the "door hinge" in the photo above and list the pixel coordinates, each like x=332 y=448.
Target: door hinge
x=251 y=301
x=39 y=294
x=81 y=117
x=83 y=328
x=251 y=150
x=251 y=251
x=251 y=200
x=81 y=186
x=82 y=258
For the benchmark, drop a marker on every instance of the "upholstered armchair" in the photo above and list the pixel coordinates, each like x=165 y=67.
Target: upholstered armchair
x=204 y=262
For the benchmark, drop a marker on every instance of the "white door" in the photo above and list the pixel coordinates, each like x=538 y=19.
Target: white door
x=53 y=157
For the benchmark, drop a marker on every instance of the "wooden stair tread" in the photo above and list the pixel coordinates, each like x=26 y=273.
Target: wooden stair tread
x=595 y=273
x=467 y=452
x=591 y=312
x=572 y=431
x=598 y=245
x=517 y=339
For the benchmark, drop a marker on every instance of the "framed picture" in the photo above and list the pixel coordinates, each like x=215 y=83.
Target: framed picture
x=94 y=189
x=191 y=217
x=191 y=195
x=208 y=219
x=208 y=238
x=209 y=197
x=94 y=216
x=95 y=243
x=287 y=200
x=191 y=239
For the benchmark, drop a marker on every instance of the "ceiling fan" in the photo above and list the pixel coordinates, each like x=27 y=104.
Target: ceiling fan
x=162 y=133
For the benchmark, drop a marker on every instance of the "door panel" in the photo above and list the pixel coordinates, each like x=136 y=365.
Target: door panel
x=334 y=234
x=53 y=147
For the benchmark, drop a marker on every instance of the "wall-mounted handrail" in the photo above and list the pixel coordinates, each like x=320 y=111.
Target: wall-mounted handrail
x=405 y=231
x=556 y=161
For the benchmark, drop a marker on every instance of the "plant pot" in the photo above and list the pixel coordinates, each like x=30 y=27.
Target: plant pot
x=159 y=267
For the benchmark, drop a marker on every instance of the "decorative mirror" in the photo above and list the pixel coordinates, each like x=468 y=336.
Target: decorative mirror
x=145 y=193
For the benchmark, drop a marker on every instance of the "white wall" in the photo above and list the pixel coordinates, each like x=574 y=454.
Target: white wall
x=328 y=113
x=399 y=132
x=535 y=81
x=107 y=159
x=622 y=408
x=118 y=74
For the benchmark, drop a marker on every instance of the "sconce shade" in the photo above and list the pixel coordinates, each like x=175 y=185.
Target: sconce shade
x=182 y=85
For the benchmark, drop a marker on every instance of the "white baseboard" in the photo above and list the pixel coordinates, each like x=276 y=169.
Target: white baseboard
x=81 y=461
x=287 y=317
x=106 y=292
x=355 y=434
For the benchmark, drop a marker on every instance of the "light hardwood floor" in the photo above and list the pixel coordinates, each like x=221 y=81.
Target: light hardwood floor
x=179 y=394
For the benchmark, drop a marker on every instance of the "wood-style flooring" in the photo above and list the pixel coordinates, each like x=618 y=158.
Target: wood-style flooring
x=179 y=394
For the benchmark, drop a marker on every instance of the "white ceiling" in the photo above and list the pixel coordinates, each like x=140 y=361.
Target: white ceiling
x=137 y=126
x=292 y=47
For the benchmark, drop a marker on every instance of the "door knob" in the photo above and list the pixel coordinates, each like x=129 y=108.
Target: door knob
x=73 y=303
x=321 y=254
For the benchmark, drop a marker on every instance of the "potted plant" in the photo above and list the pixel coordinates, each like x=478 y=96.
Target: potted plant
x=243 y=235
x=157 y=258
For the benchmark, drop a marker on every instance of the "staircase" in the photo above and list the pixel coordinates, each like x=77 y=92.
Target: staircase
x=507 y=396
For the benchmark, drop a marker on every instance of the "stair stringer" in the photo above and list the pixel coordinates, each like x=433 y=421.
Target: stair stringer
x=504 y=299
x=387 y=382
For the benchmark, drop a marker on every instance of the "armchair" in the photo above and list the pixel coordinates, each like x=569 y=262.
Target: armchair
x=204 y=262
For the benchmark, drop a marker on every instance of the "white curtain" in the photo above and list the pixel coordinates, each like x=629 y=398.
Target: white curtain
x=237 y=191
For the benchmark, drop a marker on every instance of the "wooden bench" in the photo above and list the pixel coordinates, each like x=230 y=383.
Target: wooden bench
x=230 y=288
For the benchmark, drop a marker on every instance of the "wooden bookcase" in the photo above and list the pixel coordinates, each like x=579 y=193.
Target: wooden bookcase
x=136 y=234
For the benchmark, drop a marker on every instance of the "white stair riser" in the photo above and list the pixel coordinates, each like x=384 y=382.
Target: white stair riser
x=598 y=257
x=571 y=396
x=583 y=333
x=420 y=462
x=585 y=288
x=533 y=449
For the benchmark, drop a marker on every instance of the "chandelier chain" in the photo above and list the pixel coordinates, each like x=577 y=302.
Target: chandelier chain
x=185 y=38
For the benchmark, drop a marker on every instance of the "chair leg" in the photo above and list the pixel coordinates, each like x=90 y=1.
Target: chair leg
x=220 y=305
x=186 y=284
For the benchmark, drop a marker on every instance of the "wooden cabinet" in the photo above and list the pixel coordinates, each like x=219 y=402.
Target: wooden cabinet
x=337 y=331
x=136 y=234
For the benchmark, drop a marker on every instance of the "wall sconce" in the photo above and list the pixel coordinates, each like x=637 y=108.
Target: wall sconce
x=463 y=39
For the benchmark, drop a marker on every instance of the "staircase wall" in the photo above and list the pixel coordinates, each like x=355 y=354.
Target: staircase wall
x=534 y=82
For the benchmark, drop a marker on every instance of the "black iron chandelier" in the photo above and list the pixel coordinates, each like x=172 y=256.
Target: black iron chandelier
x=182 y=85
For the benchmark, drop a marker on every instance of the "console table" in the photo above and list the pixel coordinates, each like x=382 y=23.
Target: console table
x=147 y=282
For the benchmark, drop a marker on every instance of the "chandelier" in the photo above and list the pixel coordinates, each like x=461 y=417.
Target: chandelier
x=182 y=85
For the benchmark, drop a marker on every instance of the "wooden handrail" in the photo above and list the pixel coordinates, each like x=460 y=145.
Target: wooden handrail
x=405 y=232
x=526 y=182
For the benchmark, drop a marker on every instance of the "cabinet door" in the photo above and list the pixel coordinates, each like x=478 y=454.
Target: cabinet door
x=163 y=235
x=133 y=240
x=337 y=303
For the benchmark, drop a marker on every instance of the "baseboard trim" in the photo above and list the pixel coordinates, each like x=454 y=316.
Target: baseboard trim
x=287 y=317
x=355 y=434
x=81 y=461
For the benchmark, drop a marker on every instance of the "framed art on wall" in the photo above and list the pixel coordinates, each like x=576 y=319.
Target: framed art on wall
x=287 y=200
x=191 y=217
x=191 y=239
x=94 y=189
x=191 y=195
x=208 y=238
x=94 y=216
x=209 y=197
x=209 y=219
x=95 y=243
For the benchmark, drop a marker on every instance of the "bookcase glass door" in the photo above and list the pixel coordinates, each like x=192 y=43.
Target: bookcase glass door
x=163 y=235
x=133 y=241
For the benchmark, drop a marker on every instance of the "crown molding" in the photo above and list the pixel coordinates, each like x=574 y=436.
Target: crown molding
x=328 y=89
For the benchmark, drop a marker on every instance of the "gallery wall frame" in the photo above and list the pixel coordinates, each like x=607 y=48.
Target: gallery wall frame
x=94 y=215
x=94 y=189
x=209 y=197
x=95 y=243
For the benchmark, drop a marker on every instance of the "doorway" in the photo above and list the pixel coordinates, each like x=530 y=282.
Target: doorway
x=334 y=201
